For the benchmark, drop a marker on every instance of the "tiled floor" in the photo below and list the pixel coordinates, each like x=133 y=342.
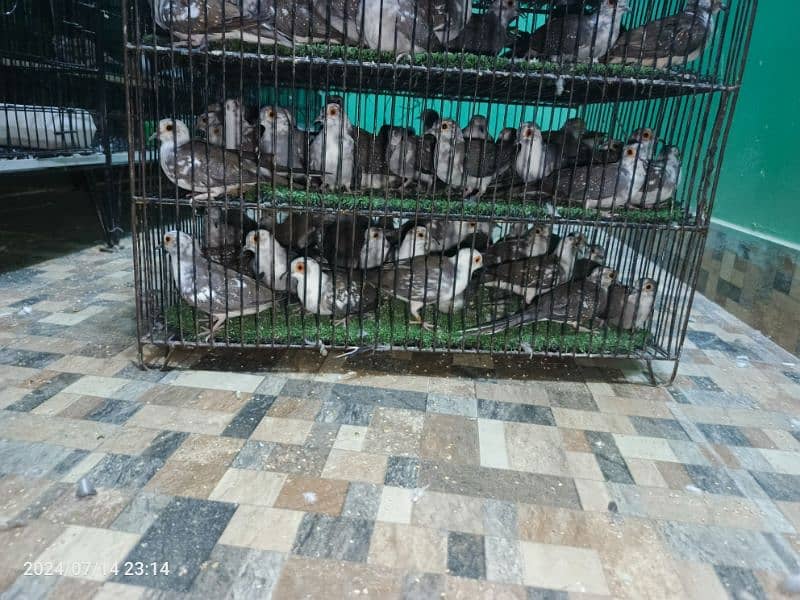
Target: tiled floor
x=404 y=476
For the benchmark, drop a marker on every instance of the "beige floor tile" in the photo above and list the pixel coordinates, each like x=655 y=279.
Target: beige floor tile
x=129 y=439
x=512 y=392
x=83 y=467
x=563 y=568
x=10 y=394
x=492 y=444
x=396 y=505
x=783 y=440
x=312 y=495
x=593 y=494
x=350 y=437
x=288 y=407
x=70 y=587
x=56 y=404
x=674 y=475
x=535 y=449
x=583 y=465
x=40 y=343
x=181 y=419
x=315 y=578
x=72 y=318
x=92 y=385
x=102 y=549
x=460 y=588
x=395 y=432
x=413 y=383
x=87 y=365
x=592 y=421
x=450 y=438
x=574 y=440
x=700 y=581
x=195 y=398
x=633 y=406
x=452 y=512
x=553 y=525
x=783 y=461
x=120 y=591
x=186 y=478
x=636 y=446
x=93 y=511
x=792 y=512
x=355 y=466
x=24 y=544
x=409 y=548
x=11 y=375
x=81 y=407
x=262 y=528
x=207 y=449
x=645 y=472
x=72 y=433
x=18 y=492
x=249 y=487
x=217 y=380
x=284 y=431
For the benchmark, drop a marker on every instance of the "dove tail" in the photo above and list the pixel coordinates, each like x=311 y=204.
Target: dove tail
x=502 y=324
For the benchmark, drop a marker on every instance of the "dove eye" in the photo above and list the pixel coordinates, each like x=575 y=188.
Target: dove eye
x=333 y=112
x=538 y=230
x=648 y=287
x=167 y=239
x=646 y=135
x=445 y=127
x=255 y=238
x=375 y=236
x=168 y=127
x=271 y=114
x=204 y=119
x=612 y=275
x=630 y=152
x=299 y=267
x=477 y=260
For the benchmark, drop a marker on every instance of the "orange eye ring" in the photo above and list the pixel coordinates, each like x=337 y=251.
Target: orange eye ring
x=255 y=238
x=299 y=267
x=648 y=287
x=445 y=127
x=168 y=127
x=271 y=114
x=333 y=112
x=630 y=152
x=167 y=239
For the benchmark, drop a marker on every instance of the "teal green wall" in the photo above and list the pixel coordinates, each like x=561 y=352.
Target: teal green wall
x=760 y=184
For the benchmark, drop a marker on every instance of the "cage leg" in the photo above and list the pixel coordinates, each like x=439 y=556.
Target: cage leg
x=168 y=351
x=654 y=380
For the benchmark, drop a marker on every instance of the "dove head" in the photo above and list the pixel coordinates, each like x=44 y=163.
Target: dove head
x=631 y=154
x=334 y=118
x=396 y=136
x=615 y=7
x=467 y=261
x=597 y=253
x=302 y=268
x=477 y=128
x=604 y=277
x=233 y=106
x=173 y=131
x=529 y=133
x=539 y=237
x=261 y=238
x=206 y=121
x=448 y=132
x=506 y=10
x=575 y=126
x=672 y=155
x=646 y=137
x=711 y=6
x=646 y=287
x=508 y=135
x=375 y=248
x=430 y=119
x=178 y=243
x=275 y=116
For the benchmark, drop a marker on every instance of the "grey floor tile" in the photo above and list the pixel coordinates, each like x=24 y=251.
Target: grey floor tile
x=249 y=416
x=466 y=555
x=27 y=358
x=380 y=396
x=534 y=593
x=779 y=486
x=114 y=411
x=345 y=412
x=500 y=518
x=739 y=582
x=500 y=484
x=661 y=428
x=402 y=471
x=723 y=434
x=122 y=470
x=253 y=455
x=453 y=405
x=714 y=480
x=570 y=395
x=340 y=538
x=240 y=573
x=520 y=413
x=183 y=535
x=423 y=586
x=44 y=392
x=165 y=444
x=31 y=459
x=142 y=512
x=362 y=500
x=610 y=460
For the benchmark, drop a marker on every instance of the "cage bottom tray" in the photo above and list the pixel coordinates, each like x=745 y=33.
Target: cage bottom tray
x=390 y=327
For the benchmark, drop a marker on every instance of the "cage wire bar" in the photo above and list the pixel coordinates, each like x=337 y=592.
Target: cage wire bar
x=62 y=92
x=504 y=177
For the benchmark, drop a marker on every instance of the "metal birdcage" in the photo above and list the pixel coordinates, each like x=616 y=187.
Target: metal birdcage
x=62 y=93
x=505 y=177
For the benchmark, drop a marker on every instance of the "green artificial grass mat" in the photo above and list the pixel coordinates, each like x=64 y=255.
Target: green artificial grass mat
x=302 y=199
x=459 y=60
x=290 y=326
